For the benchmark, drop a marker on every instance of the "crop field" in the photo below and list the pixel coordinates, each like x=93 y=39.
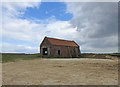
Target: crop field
x=34 y=70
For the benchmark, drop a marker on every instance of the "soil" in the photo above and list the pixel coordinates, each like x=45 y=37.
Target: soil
x=61 y=72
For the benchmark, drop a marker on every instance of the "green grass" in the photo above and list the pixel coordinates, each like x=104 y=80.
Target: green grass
x=0 y=57
x=15 y=57
x=7 y=57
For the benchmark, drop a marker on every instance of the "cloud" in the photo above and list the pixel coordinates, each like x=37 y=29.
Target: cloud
x=97 y=25
x=25 y=30
x=13 y=48
x=31 y=31
x=15 y=9
x=93 y=27
x=16 y=29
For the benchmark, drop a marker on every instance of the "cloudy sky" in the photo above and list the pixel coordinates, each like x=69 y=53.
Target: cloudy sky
x=93 y=25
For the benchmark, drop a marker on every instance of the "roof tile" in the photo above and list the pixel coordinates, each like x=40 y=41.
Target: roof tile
x=55 y=41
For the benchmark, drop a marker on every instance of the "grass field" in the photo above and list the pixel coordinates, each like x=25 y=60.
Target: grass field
x=9 y=57
x=15 y=57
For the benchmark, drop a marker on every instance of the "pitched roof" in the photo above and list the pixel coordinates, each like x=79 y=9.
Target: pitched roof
x=55 y=41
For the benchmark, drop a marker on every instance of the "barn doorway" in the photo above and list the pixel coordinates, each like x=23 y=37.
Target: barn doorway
x=45 y=51
x=58 y=52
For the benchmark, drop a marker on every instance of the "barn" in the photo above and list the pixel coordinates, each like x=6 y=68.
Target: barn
x=58 y=47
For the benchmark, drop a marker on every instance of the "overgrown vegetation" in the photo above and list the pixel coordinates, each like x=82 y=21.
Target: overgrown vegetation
x=84 y=55
x=115 y=54
x=73 y=52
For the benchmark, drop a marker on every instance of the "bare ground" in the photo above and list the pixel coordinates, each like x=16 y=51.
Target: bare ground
x=61 y=72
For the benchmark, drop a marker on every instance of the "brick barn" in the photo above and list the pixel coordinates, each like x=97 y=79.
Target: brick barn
x=58 y=47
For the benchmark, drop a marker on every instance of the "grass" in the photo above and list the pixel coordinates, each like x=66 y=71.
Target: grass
x=115 y=54
x=15 y=57
x=7 y=57
x=110 y=54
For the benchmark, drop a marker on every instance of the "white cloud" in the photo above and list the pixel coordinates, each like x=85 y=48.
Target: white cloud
x=28 y=30
x=88 y=27
x=21 y=1
x=13 y=48
x=16 y=29
x=24 y=30
x=15 y=9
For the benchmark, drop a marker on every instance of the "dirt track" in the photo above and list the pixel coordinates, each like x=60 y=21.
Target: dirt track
x=61 y=72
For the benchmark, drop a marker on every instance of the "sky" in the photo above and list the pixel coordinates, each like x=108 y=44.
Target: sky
x=92 y=25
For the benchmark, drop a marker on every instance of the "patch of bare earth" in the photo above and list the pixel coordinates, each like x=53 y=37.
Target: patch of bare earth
x=61 y=72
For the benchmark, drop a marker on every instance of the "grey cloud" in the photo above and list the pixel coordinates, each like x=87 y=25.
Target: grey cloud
x=96 y=23
x=104 y=15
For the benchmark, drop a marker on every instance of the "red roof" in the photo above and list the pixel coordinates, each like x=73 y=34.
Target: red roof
x=55 y=41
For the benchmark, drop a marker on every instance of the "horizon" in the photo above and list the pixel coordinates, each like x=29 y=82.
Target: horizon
x=39 y=53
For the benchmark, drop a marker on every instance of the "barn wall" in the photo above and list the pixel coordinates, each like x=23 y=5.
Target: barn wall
x=54 y=50
x=65 y=51
x=45 y=44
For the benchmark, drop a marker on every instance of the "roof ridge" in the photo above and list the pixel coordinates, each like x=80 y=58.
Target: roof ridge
x=59 y=39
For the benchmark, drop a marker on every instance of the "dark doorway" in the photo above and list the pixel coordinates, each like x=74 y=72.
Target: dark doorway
x=45 y=52
x=58 y=52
